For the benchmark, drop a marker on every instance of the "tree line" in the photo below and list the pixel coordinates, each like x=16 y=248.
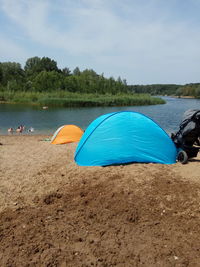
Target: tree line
x=155 y=89
x=43 y=75
x=192 y=89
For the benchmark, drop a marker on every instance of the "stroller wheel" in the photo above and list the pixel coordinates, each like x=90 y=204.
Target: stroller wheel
x=182 y=157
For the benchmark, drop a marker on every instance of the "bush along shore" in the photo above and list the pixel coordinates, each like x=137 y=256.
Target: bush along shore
x=65 y=99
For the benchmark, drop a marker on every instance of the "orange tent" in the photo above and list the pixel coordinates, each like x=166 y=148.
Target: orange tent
x=67 y=134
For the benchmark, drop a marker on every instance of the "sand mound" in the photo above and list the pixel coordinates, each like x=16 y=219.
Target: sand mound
x=54 y=213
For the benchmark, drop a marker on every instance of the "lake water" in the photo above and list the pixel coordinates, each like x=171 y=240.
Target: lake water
x=168 y=116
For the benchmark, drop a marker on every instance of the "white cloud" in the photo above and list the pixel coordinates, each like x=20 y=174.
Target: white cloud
x=122 y=37
x=10 y=50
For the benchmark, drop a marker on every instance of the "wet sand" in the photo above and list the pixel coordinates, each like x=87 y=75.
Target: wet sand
x=55 y=213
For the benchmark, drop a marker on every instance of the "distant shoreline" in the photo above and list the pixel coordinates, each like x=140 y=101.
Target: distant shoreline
x=185 y=97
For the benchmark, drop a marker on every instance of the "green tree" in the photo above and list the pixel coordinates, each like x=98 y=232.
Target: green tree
x=35 y=65
x=48 y=81
x=89 y=80
x=70 y=84
x=179 y=91
x=28 y=86
x=32 y=66
x=11 y=71
x=197 y=91
x=66 y=72
x=76 y=71
x=48 y=64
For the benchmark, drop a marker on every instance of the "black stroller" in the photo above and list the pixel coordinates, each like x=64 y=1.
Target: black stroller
x=187 y=138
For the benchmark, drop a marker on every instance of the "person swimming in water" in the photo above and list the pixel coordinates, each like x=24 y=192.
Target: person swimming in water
x=31 y=130
x=10 y=130
x=20 y=129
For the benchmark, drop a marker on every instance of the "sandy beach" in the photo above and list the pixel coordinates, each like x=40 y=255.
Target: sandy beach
x=55 y=213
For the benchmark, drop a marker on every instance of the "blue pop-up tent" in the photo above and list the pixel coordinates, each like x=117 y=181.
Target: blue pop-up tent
x=124 y=137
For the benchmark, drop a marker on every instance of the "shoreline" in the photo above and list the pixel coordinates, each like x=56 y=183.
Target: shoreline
x=184 y=97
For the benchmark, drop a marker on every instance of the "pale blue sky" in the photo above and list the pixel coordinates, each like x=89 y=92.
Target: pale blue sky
x=142 y=41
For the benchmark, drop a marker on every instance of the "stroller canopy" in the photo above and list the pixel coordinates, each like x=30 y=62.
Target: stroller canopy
x=190 y=114
x=190 y=121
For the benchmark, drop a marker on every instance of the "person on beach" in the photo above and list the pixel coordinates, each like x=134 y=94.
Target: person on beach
x=10 y=130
